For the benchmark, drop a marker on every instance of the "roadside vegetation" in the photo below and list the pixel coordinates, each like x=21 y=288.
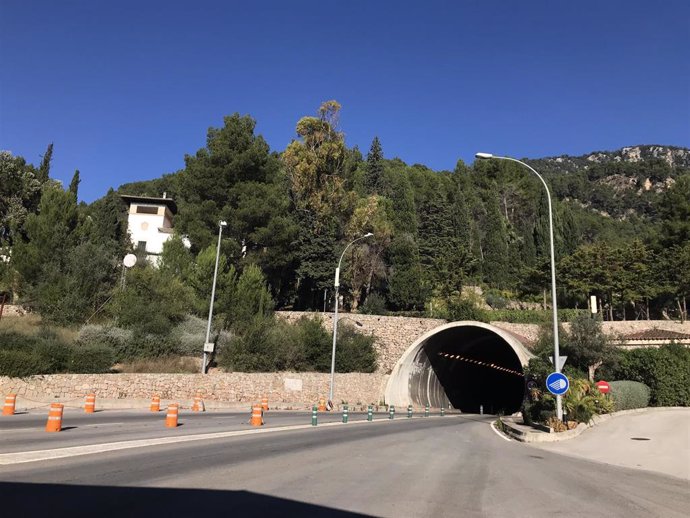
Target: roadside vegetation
x=436 y=236
x=638 y=378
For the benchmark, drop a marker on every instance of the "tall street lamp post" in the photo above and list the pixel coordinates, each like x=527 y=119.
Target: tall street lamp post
x=556 y=356
x=208 y=346
x=335 y=317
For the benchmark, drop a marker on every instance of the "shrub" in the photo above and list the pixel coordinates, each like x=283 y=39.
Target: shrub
x=666 y=371
x=269 y=344
x=162 y=365
x=190 y=335
x=530 y=316
x=465 y=309
x=355 y=351
x=583 y=401
x=17 y=363
x=91 y=359
x=628 y=394
x=117 y=339
x=374 y=305
x=252 y=351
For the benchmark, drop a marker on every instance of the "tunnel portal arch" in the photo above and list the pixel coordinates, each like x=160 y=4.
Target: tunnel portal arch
x=466 y=364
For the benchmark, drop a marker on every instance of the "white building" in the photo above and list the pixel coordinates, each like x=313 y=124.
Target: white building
x=149 y=223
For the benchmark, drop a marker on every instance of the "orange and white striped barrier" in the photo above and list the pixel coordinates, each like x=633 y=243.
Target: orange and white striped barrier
x=155 y=404
x=54 y=423
x=257 y=416
x=322 y=405
x=10 y=402
x=171 y=416
x=264 y=403
x=198 y=405
x=90 y=403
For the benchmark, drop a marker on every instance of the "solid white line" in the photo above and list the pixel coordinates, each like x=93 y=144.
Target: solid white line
x=73 y=451
x=497 y=432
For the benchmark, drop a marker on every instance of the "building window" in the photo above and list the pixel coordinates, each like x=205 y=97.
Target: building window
x=141 y=209
x=141 y=246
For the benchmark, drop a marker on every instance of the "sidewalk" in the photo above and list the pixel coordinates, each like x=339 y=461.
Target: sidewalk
x=653 y=439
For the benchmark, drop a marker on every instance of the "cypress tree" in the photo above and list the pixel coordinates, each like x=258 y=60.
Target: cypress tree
x=44 y=168
x=374 y=180
x=74 y=184
x=495 y=246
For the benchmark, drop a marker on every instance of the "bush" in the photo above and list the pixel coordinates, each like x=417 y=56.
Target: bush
x=91 y=359
x=355 y=351
x=268 y=345
x=465 y=309
x=583 y=401
x=162 y=365
x=374 y=305
x=45 y=353
x=628 y=394
x=190 y=334
x=530 y=316
x=666 y=371
x=117 y=339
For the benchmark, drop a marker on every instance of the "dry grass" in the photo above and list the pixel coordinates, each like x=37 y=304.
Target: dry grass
x=31 y=325
x=161 y=365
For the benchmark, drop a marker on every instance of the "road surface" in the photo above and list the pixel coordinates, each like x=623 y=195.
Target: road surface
x=450 y=466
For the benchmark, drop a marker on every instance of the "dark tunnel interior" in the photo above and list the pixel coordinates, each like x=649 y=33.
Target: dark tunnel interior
x=477 y=367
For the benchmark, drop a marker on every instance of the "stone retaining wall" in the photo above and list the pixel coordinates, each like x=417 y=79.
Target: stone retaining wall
x=284 y=389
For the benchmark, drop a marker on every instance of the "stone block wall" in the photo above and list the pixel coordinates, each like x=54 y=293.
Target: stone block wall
x=284 y=389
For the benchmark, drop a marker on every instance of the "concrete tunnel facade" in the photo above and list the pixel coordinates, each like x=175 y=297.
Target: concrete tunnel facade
x=465 y=364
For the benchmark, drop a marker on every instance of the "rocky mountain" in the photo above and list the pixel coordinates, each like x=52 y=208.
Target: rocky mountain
x=621 y=184
x=674 y=157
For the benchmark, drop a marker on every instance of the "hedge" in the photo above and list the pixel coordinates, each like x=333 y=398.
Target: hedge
x=628 y=394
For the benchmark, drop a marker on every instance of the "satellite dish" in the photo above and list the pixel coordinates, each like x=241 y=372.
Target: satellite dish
x=129 y=260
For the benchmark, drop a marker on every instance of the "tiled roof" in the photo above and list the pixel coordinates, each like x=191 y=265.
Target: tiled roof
x=657 y=334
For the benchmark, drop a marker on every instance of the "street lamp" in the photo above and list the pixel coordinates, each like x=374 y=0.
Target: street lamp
x=335 y=318
x=556 y=356
x=208 y=346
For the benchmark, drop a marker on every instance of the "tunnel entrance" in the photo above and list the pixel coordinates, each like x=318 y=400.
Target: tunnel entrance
x=465 y=364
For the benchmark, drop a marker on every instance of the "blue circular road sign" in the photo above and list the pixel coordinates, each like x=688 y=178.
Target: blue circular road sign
x=557 y=383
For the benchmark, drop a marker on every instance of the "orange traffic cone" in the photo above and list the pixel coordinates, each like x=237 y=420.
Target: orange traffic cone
x=322 y=405
x=264 y=403
x=10 y=401
x=155 y=404
x=257 y=416
x=54 y=423
x=198 y=405
x=171 y=416
x=90 y=404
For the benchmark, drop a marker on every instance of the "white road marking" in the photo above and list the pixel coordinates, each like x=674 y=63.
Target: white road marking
x=497 y=432
x=73 y=451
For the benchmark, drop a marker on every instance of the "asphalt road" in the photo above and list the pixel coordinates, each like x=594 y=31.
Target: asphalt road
x=452 y=466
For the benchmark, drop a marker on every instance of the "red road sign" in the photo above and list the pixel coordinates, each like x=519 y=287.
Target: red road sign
x=603 y=386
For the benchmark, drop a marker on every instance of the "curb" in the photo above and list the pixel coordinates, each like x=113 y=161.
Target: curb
x=545 y=434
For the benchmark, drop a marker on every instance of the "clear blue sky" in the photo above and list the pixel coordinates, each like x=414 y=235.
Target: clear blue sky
x=124 y=89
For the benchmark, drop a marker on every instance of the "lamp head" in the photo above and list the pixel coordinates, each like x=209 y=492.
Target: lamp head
x=223 y=223
x=368 y=234
x=483 y=156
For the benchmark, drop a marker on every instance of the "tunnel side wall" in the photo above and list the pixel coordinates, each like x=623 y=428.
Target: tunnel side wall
x=413 y=380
